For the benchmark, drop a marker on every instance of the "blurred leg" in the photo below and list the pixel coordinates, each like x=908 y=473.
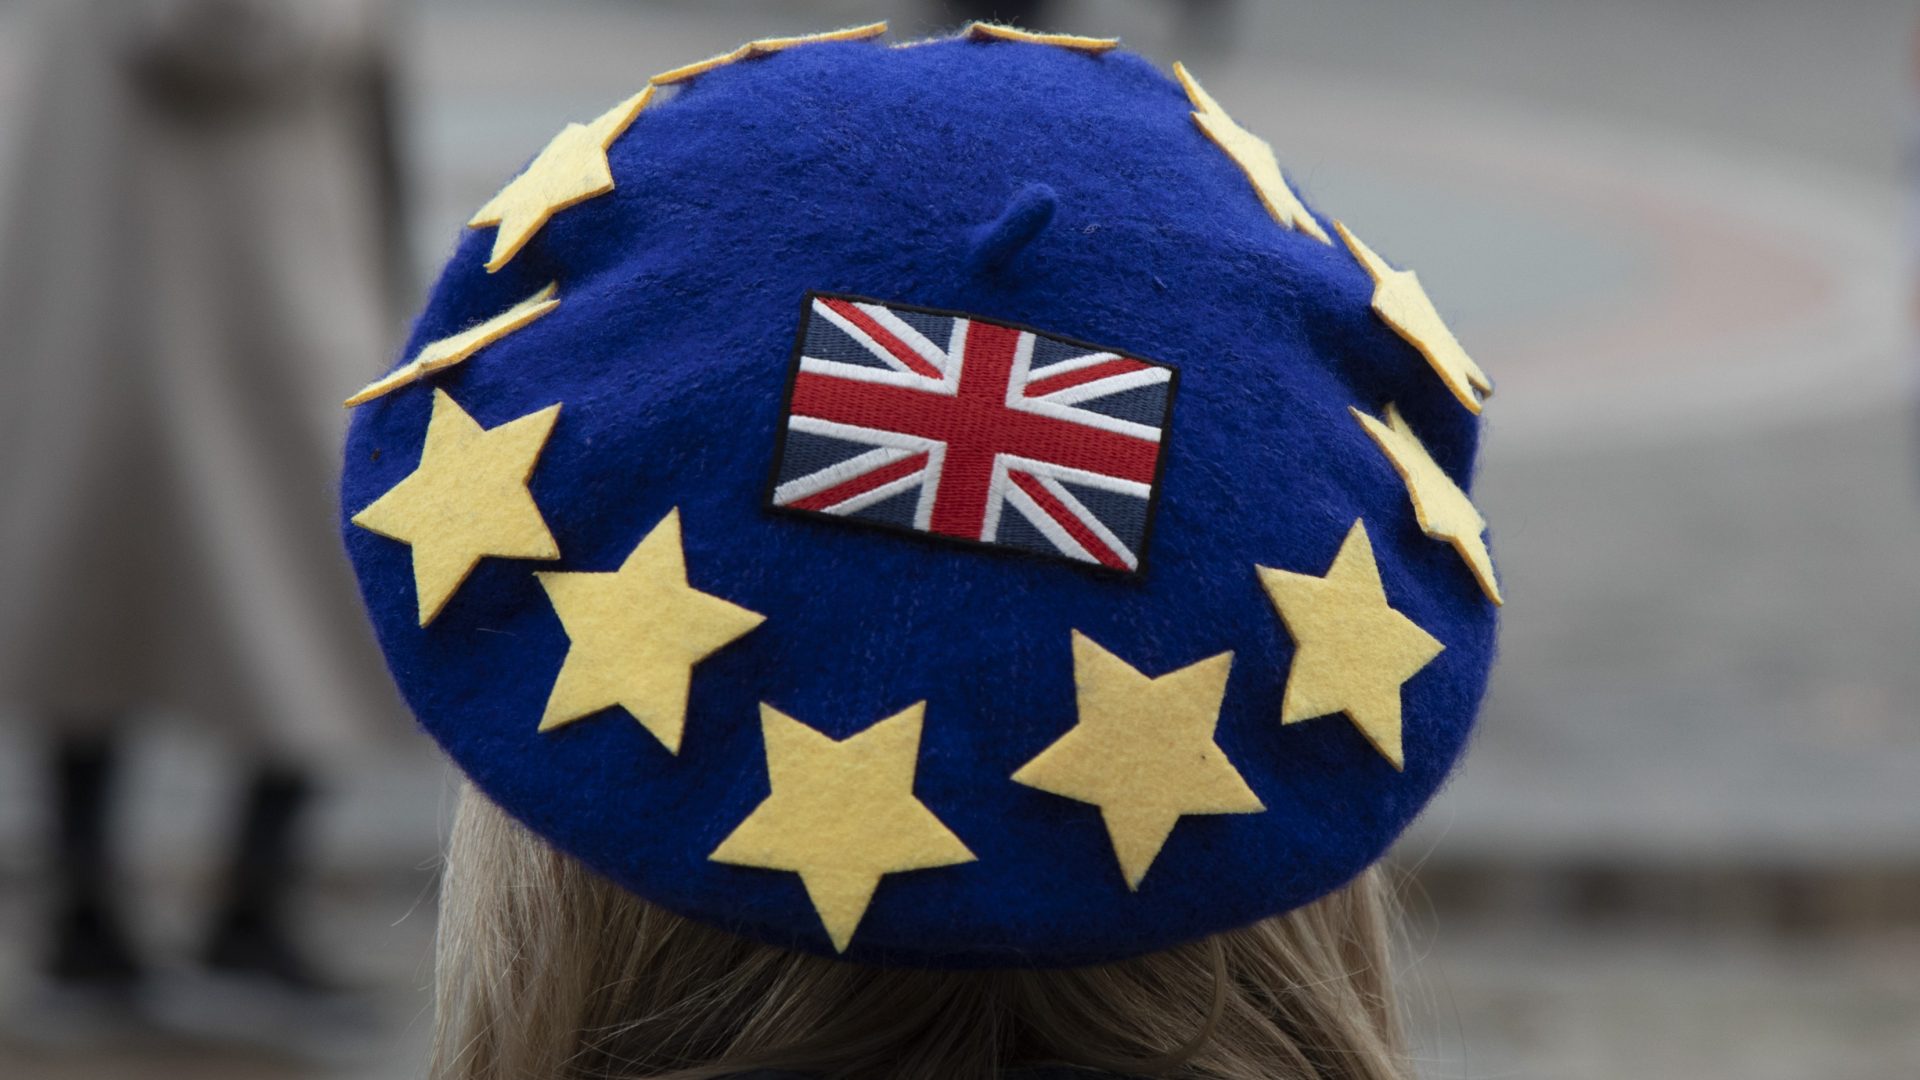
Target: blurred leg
x=254 y=986
x=90 y=944
x=251 y=933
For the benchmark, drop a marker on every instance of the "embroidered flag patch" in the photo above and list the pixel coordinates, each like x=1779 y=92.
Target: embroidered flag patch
x=973 y=430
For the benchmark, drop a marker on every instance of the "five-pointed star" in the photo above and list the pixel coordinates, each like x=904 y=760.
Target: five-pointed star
x=635 y=634
x=1443 y=510
x=1143 y=752
x=765 y=47
x=445 y=352
x=467 y=500
x=572 y=169
x=1402 y=304
x=1351 y=651
x=1254 y=156
x=842 y=814
x=989 y=31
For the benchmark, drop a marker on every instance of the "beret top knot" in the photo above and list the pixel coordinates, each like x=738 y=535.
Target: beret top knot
x=946 y=505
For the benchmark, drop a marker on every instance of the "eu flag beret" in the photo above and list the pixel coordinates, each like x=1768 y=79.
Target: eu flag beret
x=948 y=504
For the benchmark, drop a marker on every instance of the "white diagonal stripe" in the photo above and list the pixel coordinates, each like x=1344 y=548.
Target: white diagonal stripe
x=882 y=493
x=893 y=376
x=865 y=341
x=913 y=339
x=821 y=479
x=1071 y=363
x=1048 y=407
x=813 y=425
x=1048 y=527
x=1117 y=484
x=1090 y=520
x=1112 y=384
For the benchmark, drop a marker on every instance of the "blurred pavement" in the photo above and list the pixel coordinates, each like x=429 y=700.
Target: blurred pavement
x=1675 y=233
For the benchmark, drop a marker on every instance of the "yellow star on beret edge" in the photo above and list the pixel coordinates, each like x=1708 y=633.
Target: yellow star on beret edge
x=1253 y=155
x=458 y=348
x=572 y=169
x=842 y=815
x=1443 y=510
x=988 y=31
x=1143 y=751
x=467 y=500
x=765 y=47
x=635 y=634
x=1402 y=304
x=1351 y=650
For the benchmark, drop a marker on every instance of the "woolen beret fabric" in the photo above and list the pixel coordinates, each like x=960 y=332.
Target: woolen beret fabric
x=1066 y=200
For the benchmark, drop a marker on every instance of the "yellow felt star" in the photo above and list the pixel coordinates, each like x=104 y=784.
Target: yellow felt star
x=1143 y=752
x=1351 y=651
x=572 y=169
x=842 y=814
x=468 y=499
x=1253 y=155
x=765 y=47
x=1402 y=304
x=986 y=31
x=1442 y=508
x=448 y=351
x=635 y=634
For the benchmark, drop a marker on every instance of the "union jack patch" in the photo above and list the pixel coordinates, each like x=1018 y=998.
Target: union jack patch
x=973 y=430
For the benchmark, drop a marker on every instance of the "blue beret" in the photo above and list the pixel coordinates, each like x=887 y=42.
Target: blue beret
x=945 y=505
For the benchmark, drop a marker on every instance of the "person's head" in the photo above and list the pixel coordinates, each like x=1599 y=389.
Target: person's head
x=902 y=684
x=546 y=969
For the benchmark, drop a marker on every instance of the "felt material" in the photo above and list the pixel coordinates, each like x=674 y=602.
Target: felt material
x=1352 y=651
x=1402 y=303
x=1253 y=155
x=458 y=348
x=635 y=634
x=765 y=47
x=1442 y=508
x=1028 y=213
x=572 y=169
x=853 y=169
x=1143 y=752
x=842 y=815
x=467 y=500
x=987 y=31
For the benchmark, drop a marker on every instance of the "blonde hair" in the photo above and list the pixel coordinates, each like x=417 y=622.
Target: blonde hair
x=547 y=971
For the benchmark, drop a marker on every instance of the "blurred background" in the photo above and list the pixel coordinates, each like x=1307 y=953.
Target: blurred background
x=1677 y=232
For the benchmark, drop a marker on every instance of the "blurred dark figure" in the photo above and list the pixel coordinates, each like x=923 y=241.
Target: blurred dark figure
x=202 y=255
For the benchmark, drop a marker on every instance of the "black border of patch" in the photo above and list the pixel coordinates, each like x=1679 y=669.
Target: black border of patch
x=786 y=412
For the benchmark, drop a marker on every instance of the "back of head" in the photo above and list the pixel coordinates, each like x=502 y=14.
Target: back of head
x=548 y=970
